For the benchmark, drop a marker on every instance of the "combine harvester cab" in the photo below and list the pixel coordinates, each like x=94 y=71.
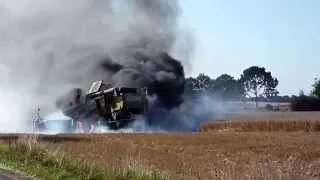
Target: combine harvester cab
x=118 y=107
x=113 y=107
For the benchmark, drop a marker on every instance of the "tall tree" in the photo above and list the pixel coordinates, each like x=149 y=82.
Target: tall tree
x=201 y=83
x=257 y=82
x=190 y=84
x=271 y=85
x=316 y=88
x=227 y=87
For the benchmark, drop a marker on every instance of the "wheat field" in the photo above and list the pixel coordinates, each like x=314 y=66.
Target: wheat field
x=275 y=121
x=274 y=146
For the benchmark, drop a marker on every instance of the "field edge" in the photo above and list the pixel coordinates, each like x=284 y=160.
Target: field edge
x=34 y=162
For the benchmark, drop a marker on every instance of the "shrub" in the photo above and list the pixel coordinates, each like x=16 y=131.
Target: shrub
x=269 y=107
x=305 y=103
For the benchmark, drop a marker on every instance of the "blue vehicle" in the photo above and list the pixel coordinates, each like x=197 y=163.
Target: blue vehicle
x=54 y=123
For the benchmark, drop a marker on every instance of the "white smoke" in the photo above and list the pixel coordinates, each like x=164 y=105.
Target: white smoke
x=13 y=114
x=188 y=117
x=47 y=47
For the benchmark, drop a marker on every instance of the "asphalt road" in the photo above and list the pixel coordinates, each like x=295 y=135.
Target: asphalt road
x=8 y=175
x=4 y=175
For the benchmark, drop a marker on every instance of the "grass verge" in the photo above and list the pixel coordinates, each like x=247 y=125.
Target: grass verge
x=29 y=156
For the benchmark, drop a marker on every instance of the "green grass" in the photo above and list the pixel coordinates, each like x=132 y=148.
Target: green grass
x=41 y=163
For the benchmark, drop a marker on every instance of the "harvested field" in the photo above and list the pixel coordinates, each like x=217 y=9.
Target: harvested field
x=224 y=155
x=274 y=121
x=203 y=155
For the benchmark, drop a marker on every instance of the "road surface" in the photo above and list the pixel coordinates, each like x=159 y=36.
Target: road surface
x=8 y=175
x=4 y=175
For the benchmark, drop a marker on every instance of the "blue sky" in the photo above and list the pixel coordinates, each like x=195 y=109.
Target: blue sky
x=281 y=35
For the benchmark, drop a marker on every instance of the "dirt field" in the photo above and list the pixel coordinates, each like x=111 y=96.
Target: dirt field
x=214 y=154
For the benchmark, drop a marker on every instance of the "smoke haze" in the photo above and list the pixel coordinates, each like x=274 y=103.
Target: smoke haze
x=48 y=47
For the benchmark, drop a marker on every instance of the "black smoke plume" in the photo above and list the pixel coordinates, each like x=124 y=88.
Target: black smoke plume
x=49 y=47
x=159 y=72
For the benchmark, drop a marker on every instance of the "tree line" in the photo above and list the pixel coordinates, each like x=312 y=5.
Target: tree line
x=307 y=102
x=316 y=88
x=255 y=84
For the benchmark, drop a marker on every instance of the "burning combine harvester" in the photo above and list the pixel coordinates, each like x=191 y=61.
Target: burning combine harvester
x=102 y=105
